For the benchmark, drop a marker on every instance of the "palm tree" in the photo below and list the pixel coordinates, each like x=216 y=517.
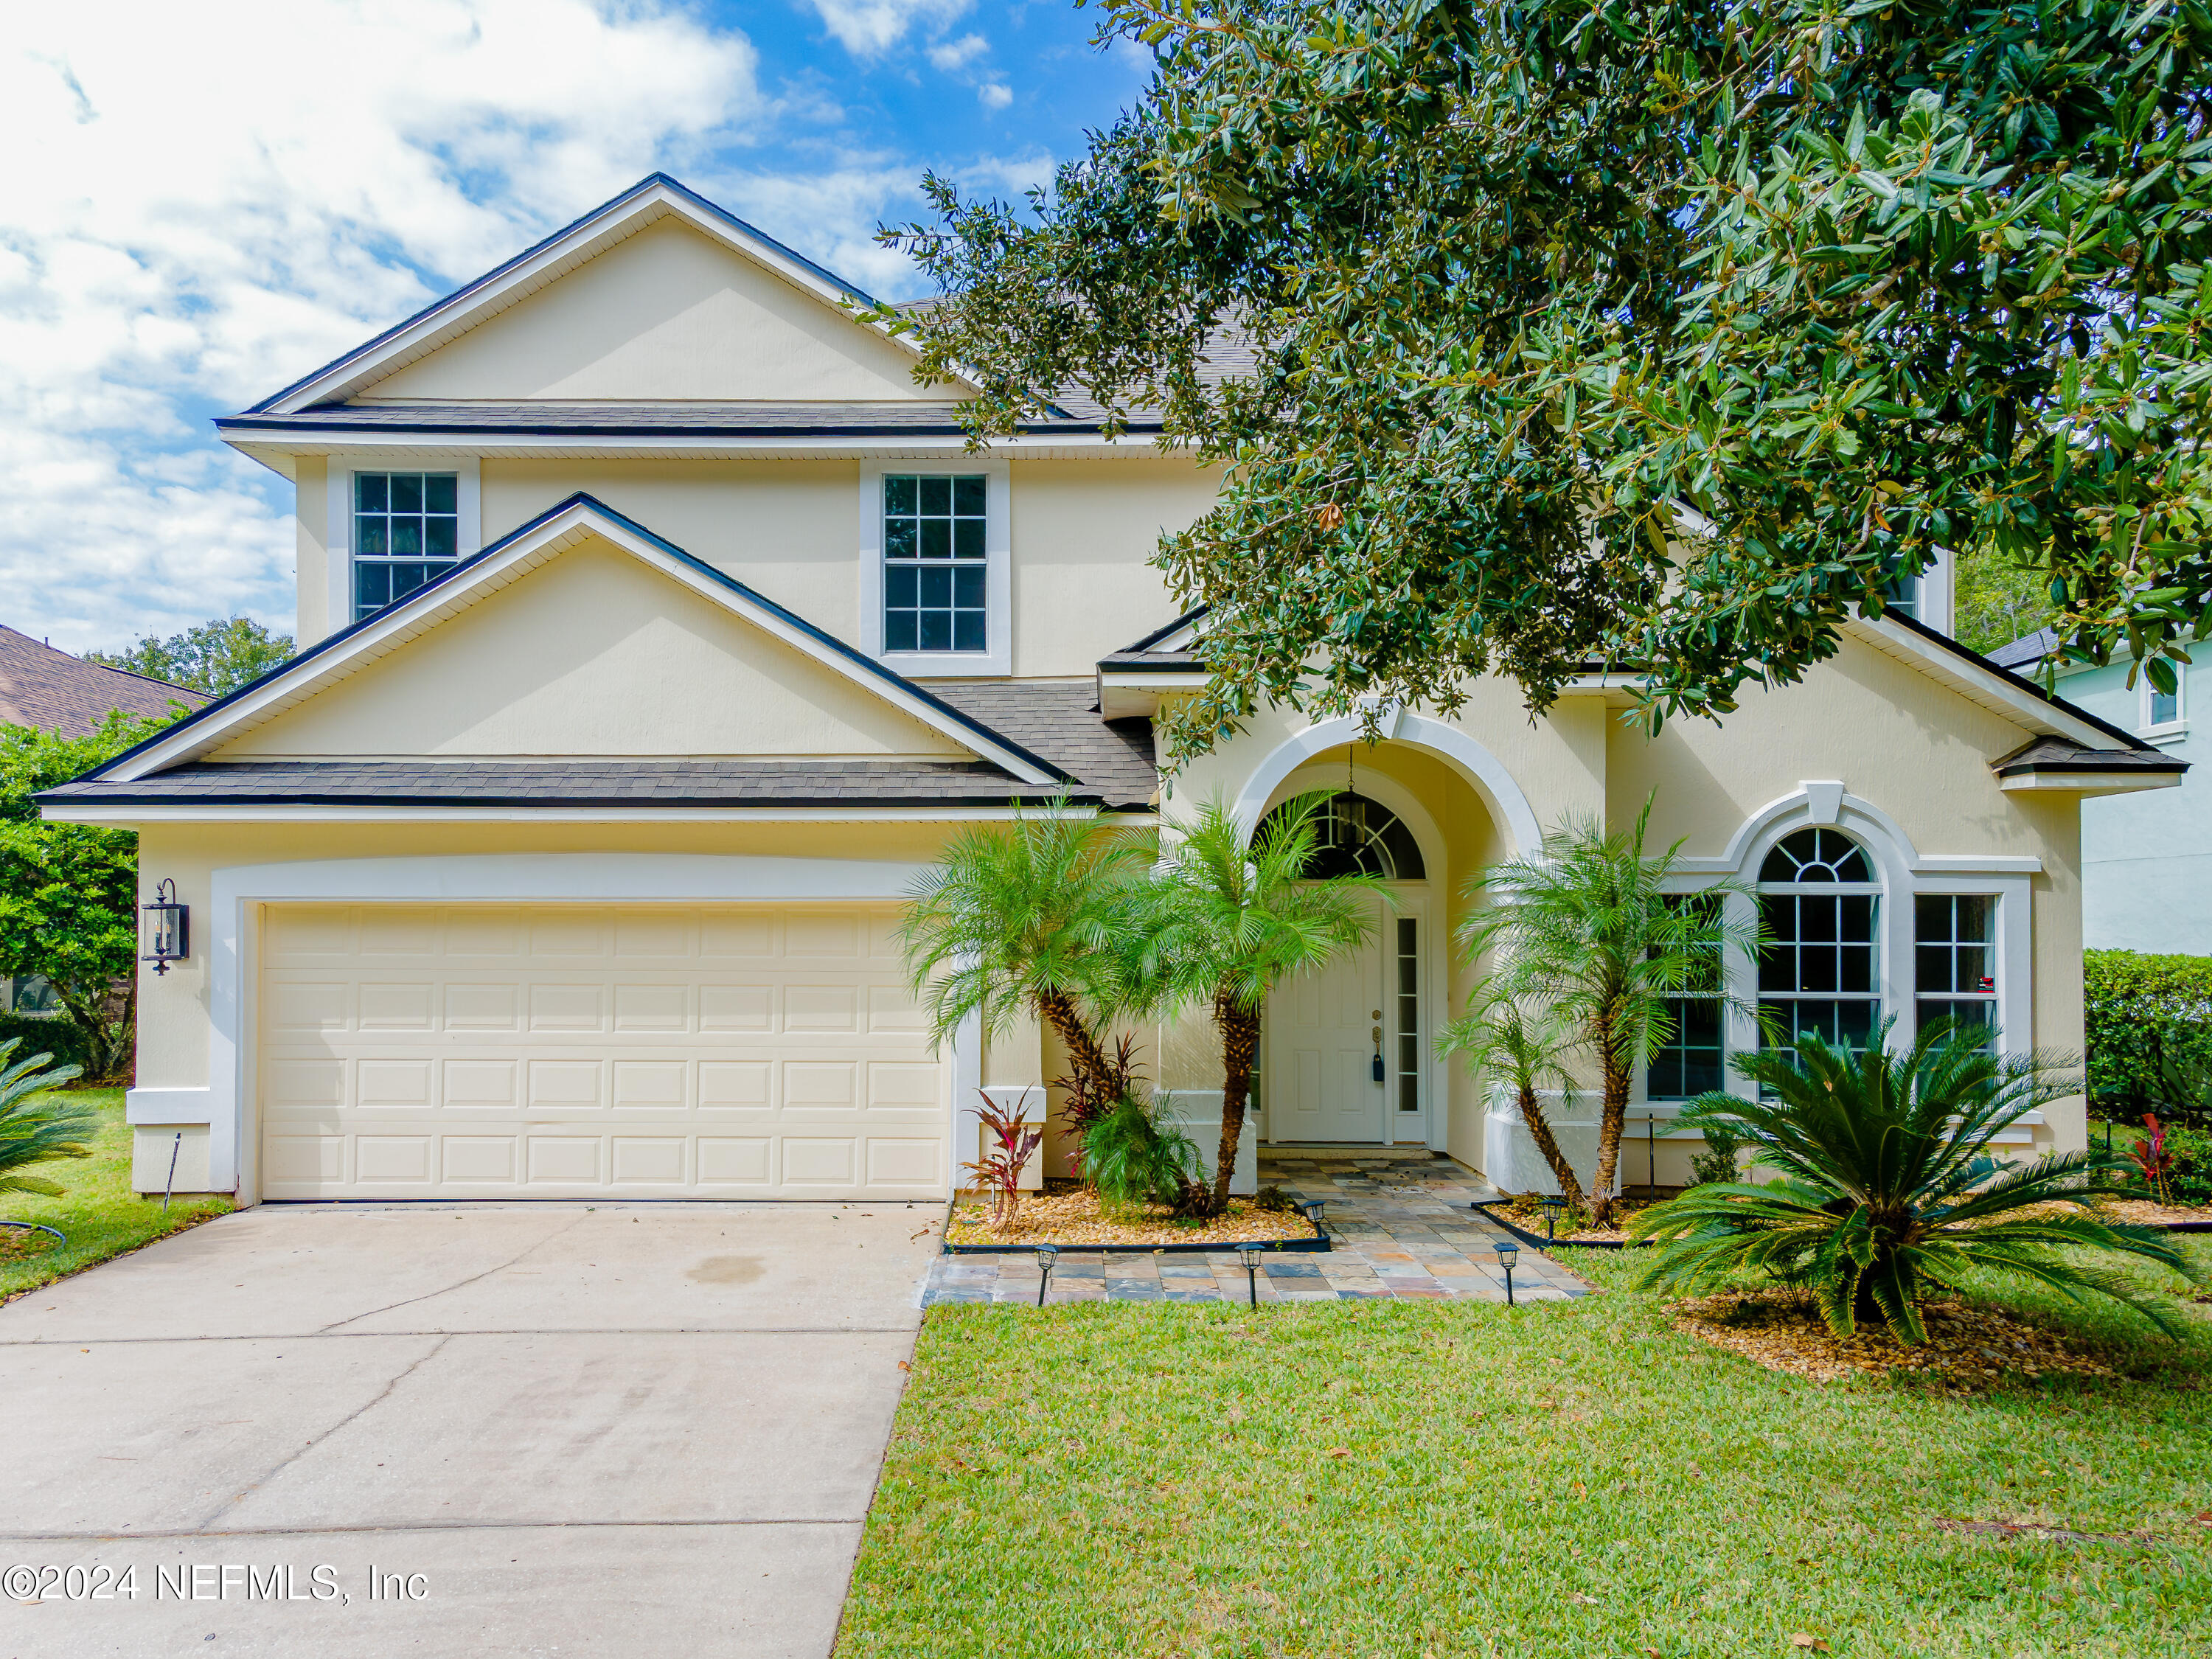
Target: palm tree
x=1223 y=923
x=1526 y=1053
x=1590 y=929
x=1887 y=1187
x=33 y=1130
x=1023 y=918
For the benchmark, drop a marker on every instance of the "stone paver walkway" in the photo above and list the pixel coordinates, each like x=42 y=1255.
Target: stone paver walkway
x=1400 y=1222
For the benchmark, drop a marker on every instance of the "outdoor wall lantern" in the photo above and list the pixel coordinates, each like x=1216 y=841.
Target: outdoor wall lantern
x=1249 y=1254
x=1507 y=1255
x=168 y=928
x=1046 y=1255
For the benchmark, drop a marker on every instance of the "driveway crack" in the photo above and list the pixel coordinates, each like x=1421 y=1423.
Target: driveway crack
x=378 y=1399
x=459 y=1285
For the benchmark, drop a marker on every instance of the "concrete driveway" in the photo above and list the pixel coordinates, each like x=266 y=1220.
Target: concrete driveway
x=471 y=1429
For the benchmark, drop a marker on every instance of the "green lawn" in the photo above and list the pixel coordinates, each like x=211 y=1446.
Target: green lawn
x=100 y=1213
x=1561 y=1481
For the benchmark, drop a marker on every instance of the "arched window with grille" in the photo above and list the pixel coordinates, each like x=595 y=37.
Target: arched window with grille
x=1819 y=971
x=1357 y=836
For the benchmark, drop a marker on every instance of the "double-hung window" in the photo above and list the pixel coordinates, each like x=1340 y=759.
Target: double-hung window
x=406 y=531
x=1954 y=960
x=1692 y=1060
x=936 y=570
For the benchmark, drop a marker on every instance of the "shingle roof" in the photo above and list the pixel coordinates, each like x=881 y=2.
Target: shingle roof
x=2026 y=650
x=2058 y=754
x=1059 y=722
x=43 y=687
x=585 y=782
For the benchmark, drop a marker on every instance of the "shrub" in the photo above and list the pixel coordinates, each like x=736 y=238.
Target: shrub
x=1718 y=1162
x=45 y=1034
x=1135 y=1155
x=2142 y=1013
x=2190 y=1176
x=1888 y=1191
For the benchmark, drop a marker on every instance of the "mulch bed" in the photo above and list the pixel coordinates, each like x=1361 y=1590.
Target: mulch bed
x=1078 y=1218
x=1969 y=1348
x=1526 y=1211
x=2148 y=1213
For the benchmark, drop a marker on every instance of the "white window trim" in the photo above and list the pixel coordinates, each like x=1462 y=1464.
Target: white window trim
x=998 y=571
x=1902 y=873
x=2171 y=731
x=468 y=530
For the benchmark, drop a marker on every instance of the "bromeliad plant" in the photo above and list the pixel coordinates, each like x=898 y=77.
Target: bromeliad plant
x=2153 y=1159
x=1887 y=1190
x=999 y=1172
x=34 y=1130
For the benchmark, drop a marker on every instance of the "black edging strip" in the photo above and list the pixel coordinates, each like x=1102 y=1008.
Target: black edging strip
x=1538 y=1242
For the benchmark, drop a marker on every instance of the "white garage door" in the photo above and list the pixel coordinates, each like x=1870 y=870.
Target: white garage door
x=452 y=1051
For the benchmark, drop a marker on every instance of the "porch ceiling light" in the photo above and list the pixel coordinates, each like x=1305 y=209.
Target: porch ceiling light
x=168 y=928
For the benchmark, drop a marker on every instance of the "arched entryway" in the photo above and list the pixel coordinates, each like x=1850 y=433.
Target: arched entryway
x=1347 y=1056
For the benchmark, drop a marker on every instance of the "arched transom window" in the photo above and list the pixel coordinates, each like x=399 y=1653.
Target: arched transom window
x=1360 y=836
x=1819 y=971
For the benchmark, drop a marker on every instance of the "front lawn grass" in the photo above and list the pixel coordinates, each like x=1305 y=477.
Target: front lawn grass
x=100 y=1214
x=1562 y=1481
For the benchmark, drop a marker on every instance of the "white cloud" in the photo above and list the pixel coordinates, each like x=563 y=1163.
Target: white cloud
x=951 y=55
x=204 y=202
x=868 y=28
x=994 y=96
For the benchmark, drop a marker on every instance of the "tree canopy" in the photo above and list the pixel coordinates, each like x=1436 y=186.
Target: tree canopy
x=1666 y=335
x=216 y=657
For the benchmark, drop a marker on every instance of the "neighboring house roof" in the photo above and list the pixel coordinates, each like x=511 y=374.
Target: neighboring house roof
x=581 y=782
x=42 y=686
x=2027 y=651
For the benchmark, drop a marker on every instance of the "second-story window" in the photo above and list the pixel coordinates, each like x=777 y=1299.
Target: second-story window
x=405 y=530
x=934 y=567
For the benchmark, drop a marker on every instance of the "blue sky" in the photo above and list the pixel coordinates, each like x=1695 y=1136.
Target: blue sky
x=202 y=202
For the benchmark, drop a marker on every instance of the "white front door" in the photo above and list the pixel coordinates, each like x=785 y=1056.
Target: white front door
x=1324 y=1031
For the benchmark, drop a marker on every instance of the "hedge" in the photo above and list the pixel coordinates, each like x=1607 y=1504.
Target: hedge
x=2137 y=1007
x=57 y=1037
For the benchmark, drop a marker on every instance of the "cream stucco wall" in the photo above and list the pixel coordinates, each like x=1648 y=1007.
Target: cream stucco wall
x=595 y=653
x=667 y=313
x=311 y=548
x=1082 y=534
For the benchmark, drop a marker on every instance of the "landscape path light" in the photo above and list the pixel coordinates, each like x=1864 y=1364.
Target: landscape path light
x=1507 y=1253
x=1250 y=1255
x=1046 y=1255
x=1552 y=1206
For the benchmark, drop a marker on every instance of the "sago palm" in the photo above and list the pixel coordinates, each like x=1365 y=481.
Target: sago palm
x=32 y=1130
x=1590 y=929
x=1527 y=1053
x=1022 y=919
x=1223 y=923
x=1886 y=1188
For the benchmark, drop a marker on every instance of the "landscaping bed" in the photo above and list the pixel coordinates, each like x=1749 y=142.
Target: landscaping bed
x=1523 y=1215
x=1073 y=1218
x=2174 y=1217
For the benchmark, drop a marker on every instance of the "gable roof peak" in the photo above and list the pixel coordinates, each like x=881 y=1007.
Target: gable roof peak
x=656 y=196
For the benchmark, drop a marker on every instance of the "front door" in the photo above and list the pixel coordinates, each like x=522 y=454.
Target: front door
x=1324 y=1032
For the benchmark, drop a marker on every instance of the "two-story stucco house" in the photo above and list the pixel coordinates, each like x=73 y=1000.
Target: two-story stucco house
x=657 y=628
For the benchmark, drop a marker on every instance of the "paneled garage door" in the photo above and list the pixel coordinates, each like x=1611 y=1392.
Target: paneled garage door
x=453 y=1051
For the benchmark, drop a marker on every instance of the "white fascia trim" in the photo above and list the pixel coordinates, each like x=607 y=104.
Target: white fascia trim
x=2088 y=783
x=392 y=627
x=998 y=571
x=513 y=878
x=531 y=445
x=124 y=818
x=616 y=222
x=1985 y=686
